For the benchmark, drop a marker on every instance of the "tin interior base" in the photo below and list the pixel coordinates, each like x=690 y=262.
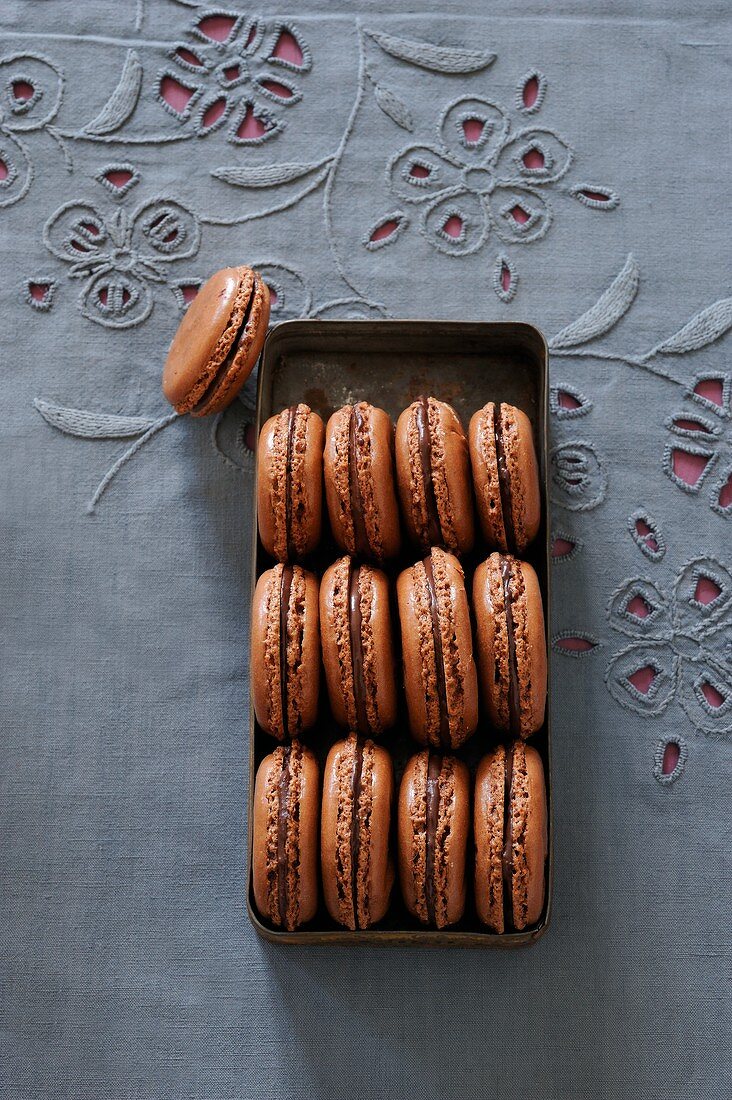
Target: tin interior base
x=328 y=364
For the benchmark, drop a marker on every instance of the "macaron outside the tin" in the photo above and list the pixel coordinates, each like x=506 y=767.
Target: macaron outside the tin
x=218 y=342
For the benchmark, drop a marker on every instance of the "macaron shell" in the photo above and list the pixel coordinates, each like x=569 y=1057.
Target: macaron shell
x=488 y=836
x=524 y=473
x=375 y=873
x=303 y=652
x=251 y=342
x=492 y=642
x=523 y=470
x=306 y=472
x=201 y=339
x=450 y=473
x=302 y=837
x=418 y=652
x=453 y=824
x=530 y=833
x=375 y=466
x=376 y=640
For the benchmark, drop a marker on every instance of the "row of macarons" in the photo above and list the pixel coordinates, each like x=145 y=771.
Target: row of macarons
x=344 y=623
x=346 y=833
x=428 y=466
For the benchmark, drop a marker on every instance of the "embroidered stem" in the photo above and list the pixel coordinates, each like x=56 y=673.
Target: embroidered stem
x=641 y=361
x=54 y=133
x=129 y=453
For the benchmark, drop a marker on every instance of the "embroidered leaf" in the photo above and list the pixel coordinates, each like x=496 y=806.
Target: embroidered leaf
x=605 y=313
x=703 y=329
x=268 y=175
x=91 y=425
x=394 y=107
x=439 y=59
x=122 y=101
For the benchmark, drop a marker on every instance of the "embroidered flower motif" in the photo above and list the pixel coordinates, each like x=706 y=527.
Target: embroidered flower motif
x=700 y=454
x=682 y=646
x=481 y=178
x=119 y=256
x=30 y=96
x=232 y=72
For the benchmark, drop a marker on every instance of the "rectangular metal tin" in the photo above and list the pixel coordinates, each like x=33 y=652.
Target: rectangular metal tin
x=328 y=364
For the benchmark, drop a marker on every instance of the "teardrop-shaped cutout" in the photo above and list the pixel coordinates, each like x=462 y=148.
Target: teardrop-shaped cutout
x=577 y=644
x=642 y=678
x=233 y=72
x=561 y=547
x=281 y=91
x=638 y=607
x=712 y=696
x=287 y=48
x=175 y=94
x=251 y=126
x=420 y=172
x=711 y=389
x=567 y=400
x=23 y=90
x=691 y=425
x=118 y=177
x=725 y=493
x=4 y=172
x=453 y=226
x=189 y=57
x=216 y=27
x=530 y=92
x=473 y=130
x=688 y=467
x=213 y=114
x=533 y=159
x=671 y=754
x=707 y=590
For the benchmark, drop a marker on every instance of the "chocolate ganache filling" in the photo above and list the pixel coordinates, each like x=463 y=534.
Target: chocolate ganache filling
x=507 y=850
x=225 y=366
x=360 y=536
x=439 y=658
x=285 y=589
x=356 y=640
x=504 y=482
x=283 y=792
x=355 y=837
x=422 y=420
x=291 y=424
x=432 y=813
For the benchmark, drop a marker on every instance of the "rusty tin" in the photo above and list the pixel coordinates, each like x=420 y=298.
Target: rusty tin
x=328 y=364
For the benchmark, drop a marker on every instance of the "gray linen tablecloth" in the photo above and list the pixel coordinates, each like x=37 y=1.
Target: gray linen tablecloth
x=594 y=203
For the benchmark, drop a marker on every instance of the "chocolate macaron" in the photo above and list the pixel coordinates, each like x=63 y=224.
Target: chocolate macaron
x=218 y=342
x=510 y=826
x=285 y=651
x=359 y=481
x=290 y=483
x=358 y=653
x=440 y=678
x=505 y=476
x=285 y=837
x=511 y=643
x=433 y=825
x=433 y=474
x=356 y=865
